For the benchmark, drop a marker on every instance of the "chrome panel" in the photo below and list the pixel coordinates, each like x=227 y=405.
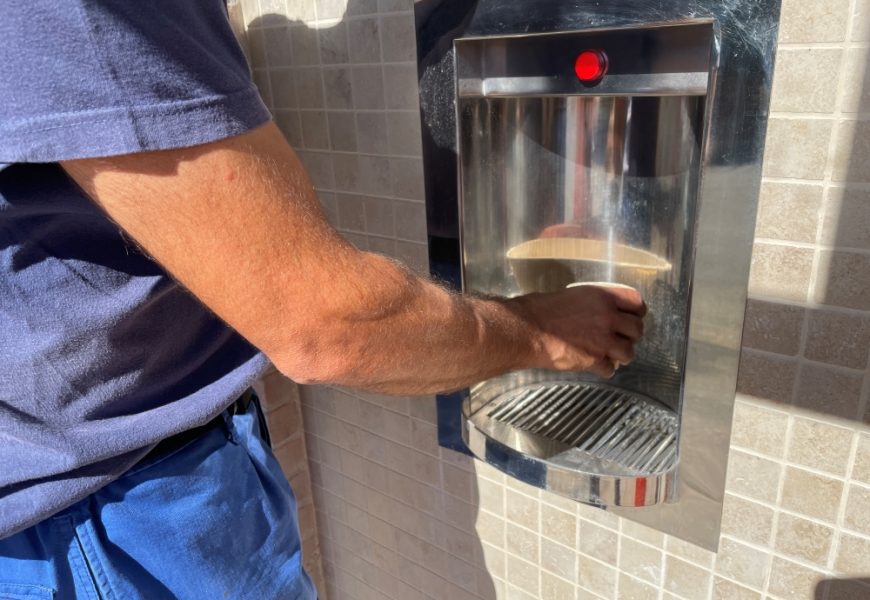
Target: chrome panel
x=623 y=444
x=665 y=84
x=716 y=264
x=627 y=177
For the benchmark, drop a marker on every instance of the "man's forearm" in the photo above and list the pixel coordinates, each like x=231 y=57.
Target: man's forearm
x=414 y=337
x=238 y=223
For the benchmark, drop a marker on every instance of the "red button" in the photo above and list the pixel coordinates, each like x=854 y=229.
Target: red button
x=590 y=66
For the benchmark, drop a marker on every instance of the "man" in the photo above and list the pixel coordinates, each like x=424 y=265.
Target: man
x=160 y=243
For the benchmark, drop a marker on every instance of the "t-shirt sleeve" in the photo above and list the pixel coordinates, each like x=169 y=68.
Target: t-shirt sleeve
x=89 y=78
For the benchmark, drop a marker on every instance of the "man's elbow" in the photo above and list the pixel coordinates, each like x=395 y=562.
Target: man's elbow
x=318 y=363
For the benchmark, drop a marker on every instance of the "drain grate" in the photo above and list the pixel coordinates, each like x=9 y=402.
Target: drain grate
x=608 y=423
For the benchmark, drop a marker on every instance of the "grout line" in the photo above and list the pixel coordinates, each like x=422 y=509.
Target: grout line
x=327 y=21
x=618 y=565
x=841 y=512
x=330 y=153
x=837 y=185
x=770 y=354
x=772 y=553
x=824 y=45
x=815 y=116
x=801 y=360
x=374 y=155
x=845 y=310
x=405 y=200
x=539 y=538
x=864 y=403
x=808 y=116
x=408 y=111
x=786 y=463
x=663 y=575
x=792 y=181
x=812 y=245
x=791 y=513
x=557 y=576
x=779 y=488
x=849 y=185
x=323 y=190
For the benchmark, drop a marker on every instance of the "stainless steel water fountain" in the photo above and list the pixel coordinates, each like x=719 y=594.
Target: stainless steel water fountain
x=567 y=143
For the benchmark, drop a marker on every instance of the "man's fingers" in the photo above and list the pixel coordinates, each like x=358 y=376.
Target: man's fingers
x=604 y=367
x=621 y=350
x=629 y=300
x=630 y=326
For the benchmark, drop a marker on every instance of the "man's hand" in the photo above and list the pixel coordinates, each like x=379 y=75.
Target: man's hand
x=238 y=223
x=586 y=328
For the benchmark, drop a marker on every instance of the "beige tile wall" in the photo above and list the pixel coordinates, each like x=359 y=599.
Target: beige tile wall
x=401 y=518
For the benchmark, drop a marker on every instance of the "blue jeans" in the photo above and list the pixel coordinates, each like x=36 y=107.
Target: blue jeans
x=214 y=518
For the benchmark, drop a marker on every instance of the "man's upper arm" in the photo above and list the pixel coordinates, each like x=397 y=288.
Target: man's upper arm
x=236 y=222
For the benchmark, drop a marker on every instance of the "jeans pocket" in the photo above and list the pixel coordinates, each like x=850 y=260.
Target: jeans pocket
x=23 y=591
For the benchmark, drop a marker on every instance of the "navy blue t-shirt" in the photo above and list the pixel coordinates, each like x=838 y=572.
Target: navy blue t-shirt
x=101 y=353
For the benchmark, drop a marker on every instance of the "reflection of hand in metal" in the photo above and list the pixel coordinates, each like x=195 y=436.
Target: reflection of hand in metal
x=564 y=230
x=616 y=364
x=588 y=328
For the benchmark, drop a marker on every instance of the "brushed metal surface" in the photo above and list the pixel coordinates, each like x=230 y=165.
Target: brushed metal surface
x=559 y=190
x=709 y=242
x=622 y=443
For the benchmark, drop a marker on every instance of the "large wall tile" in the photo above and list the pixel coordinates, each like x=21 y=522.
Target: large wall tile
x=857 y=517
x=851 y=160
x=861 y=21
x=861 y=470
x=853 y=555
x=686 y=580
x=854 y=93
x=597 y=541
x=780 y=271
x=759 y=429
x=368 y=87
x=846 y=219
x=838 y=338
x=773 y=327
x=741 y=563
x=797 y=147
x=640 y=561
x=820 y=446
x=810 y=494
x=804 y=539
x=333 y=44
x=364 y=40
x=830 y=392
x=753 y=476
x=596 y=577
x=766 y=376
x=789 y=211
x=790 y=90
x=793 y=581
x=843 y=279
x=747 y=520
x=728 y=590
x=398 y=38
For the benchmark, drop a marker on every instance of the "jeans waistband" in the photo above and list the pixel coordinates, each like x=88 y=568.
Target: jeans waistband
x=242 y=405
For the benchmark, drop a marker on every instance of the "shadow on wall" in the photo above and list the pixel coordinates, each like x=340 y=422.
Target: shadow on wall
x=393 y=515
x=844 y=271
x=814 y=351
x=842 y=589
